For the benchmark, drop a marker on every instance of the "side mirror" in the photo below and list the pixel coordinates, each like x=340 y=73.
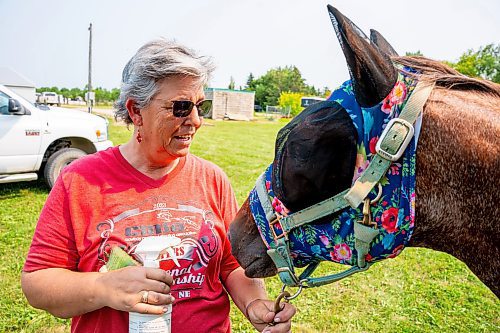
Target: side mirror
x=16 y=108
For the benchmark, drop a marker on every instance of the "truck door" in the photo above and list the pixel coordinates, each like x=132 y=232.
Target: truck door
x=20 y=138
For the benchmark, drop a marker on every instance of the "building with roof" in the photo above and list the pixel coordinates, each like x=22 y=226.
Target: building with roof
x=231 y=104
x=18 y=83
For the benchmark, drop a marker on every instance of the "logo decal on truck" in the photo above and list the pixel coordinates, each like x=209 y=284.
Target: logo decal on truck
x=32 y=133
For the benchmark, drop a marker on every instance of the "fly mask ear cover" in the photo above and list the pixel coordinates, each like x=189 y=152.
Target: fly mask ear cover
x=315 y=156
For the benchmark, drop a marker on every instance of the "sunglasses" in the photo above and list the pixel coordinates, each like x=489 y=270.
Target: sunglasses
x=182 y=109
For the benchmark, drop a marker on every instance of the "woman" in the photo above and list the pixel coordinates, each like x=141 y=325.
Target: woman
x=150 y=186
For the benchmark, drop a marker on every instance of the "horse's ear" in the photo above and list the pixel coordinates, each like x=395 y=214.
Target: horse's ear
x=372 y=73
x=383 y=45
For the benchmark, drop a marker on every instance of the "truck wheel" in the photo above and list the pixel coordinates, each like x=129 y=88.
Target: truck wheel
x=58 y=161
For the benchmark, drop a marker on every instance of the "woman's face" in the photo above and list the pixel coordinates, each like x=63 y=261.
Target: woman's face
x=164 y=136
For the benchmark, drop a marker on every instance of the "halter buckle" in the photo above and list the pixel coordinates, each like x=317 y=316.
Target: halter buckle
x=276 y=220
x=395 y=138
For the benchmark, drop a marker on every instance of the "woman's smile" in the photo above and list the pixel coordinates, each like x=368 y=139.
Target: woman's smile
x=184 y=139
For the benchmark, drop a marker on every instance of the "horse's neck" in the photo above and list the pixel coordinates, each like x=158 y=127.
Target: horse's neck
x=458 y=179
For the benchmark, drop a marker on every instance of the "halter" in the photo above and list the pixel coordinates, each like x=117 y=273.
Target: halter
x=354 y=206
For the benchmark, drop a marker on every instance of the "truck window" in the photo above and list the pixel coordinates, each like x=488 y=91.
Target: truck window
x=4 y=103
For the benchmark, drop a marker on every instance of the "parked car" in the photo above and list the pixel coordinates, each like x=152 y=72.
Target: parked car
x=42 y=142
x=50 y=98
x=310 y=100
x=257 y=108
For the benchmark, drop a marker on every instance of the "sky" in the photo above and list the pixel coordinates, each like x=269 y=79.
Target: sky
x=48 y=41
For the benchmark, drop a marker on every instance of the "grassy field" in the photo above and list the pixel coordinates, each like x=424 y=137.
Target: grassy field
x=419 y=291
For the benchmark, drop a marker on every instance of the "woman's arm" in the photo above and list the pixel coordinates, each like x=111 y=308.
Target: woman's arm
x=66 y=294
x=250 y=297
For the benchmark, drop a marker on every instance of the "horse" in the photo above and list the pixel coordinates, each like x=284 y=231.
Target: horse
x=457 y=163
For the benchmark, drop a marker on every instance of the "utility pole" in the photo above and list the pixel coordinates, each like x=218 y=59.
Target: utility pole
x=90 y=99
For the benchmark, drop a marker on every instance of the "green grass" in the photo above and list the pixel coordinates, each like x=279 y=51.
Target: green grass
x=419 y=291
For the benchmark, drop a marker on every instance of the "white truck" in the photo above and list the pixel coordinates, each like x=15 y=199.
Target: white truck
x=42 y=141
x=50 y=98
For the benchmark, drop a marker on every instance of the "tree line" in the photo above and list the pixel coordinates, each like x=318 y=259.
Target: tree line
x=102 y=95
x=484 y=63
x=284 y=86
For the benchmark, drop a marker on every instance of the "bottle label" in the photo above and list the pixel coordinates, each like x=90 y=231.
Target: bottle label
x=146 y=323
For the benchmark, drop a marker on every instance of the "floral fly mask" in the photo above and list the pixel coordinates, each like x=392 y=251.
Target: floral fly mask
x=394 y=213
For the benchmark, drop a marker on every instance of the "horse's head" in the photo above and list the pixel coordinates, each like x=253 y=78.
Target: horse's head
x=320 y=138
x=316 y=152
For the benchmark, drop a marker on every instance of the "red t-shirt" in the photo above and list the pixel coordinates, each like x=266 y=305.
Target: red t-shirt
x=101 y=201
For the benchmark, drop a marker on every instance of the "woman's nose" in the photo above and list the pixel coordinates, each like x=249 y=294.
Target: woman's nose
x=194 y=118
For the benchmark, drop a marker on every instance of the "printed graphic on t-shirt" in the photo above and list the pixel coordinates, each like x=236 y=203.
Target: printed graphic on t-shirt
x=187 y=260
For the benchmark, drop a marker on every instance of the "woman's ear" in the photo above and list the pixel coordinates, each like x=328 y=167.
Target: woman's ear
x=134 y=112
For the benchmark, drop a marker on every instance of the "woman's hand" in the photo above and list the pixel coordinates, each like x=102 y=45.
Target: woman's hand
x=261 y=313
x=65 y=293
x=135 y=289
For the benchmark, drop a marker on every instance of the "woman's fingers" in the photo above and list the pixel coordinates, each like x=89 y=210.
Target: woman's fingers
x=145 y=278
x=261 y=313
x=152 y=297
x=151 y=302
x=157 y=286
x=282 y=319
x=286 y=313
x=150 y=309
x=159 y=274
x=124 y=289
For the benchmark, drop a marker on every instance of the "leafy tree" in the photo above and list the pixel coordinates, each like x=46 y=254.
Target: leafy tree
x=291 y=101
x=101 y=95
x=44 y=89
x=485 y=63
x=231 y=83
x=115 y=93
x=64 y=92
x=75 y=92
x=312 y=91
x=417 y=53
x=326 y=92
x=269 y=87
x=250 y=82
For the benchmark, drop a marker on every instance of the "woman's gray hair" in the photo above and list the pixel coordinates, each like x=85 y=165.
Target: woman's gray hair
x=157 y=60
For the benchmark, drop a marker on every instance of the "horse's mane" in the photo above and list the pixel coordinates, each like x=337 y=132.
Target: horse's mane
x=445 y=76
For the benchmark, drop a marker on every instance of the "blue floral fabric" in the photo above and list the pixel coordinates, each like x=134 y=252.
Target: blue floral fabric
x=395 y=211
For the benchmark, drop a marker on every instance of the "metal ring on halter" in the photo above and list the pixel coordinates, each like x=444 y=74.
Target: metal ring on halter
x=289 y=298
x=379 y=194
